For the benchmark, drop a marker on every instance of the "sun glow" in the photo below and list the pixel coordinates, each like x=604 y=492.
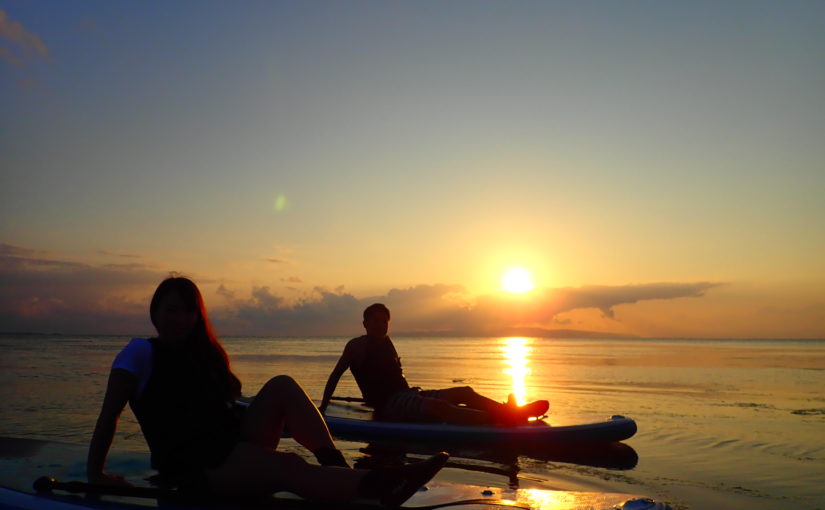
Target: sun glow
x=516 y=352
x=517 y=280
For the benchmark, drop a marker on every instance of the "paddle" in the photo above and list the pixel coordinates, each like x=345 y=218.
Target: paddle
x=46 y=484
x=347 y=399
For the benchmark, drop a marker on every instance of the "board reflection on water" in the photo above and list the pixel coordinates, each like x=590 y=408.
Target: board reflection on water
x=501 y=460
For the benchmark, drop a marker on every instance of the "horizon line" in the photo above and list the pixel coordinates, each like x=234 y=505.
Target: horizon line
x=413 y=334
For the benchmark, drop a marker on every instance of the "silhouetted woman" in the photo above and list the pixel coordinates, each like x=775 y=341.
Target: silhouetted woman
x=182 y=391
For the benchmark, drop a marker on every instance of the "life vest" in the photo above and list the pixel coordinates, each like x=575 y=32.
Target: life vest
x=185 y=413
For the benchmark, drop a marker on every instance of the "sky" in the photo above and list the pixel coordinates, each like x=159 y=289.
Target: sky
x=658 y=168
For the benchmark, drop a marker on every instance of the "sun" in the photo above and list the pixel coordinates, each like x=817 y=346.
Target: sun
x=517 y=280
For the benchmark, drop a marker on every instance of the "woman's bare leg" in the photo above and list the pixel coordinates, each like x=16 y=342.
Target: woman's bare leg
x=283 y=403
x=251 y=469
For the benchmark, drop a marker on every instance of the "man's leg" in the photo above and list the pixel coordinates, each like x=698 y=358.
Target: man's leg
x=465 y=395
x=508 y=412
x=439 y=410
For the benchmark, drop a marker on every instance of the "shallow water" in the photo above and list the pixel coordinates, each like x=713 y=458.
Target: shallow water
x=721 y=423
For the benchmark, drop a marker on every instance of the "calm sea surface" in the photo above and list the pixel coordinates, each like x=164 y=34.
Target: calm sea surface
x=722 y=424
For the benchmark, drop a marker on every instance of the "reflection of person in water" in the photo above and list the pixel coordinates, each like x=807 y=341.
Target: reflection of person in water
x=183 y=393
x=504 y=459
x=375 y=364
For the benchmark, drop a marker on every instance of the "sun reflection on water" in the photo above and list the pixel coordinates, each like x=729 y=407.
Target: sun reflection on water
x=516 y=352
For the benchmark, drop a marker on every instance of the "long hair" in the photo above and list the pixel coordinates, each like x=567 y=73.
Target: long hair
x=202 y=341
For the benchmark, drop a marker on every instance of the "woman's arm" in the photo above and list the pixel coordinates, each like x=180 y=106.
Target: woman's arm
x=121 y=386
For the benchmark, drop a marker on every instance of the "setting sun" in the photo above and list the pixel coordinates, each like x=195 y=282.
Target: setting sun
x=517 y=280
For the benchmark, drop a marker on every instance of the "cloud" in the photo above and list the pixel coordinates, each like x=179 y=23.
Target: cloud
x=225 y=293
x=605 y=298
x=40 y=293
x=24 y=43
x=322 y=313
x=19 y=48
x=329 y=312
x=436 y=309
x=9 y=57
x=122 y=255
x=10 y=249
x=544 y=306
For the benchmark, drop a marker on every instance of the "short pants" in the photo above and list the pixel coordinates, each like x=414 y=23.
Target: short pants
x=187 y=470
x=407 y=405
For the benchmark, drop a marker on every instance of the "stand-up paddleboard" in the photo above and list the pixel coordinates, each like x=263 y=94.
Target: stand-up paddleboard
x=22 y=461
x=349 y=421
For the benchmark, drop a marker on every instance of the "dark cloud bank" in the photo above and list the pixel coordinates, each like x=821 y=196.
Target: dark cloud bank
x=442 y=309
x=39 y=293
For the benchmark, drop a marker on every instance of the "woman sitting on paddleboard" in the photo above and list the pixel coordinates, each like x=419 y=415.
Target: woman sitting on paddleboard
x=375 y=364
x=182 y=391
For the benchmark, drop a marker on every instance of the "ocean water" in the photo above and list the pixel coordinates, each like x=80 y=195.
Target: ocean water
x=722 y=424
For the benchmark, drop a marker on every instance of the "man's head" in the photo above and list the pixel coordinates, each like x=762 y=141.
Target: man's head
x=377 y=320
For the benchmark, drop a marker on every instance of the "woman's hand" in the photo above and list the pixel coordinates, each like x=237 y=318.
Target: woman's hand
x=121 y=385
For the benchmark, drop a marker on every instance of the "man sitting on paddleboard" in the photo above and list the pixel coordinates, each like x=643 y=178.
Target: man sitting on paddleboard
x=375 y=364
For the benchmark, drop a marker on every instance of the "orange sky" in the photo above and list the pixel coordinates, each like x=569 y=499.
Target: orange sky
x=658 y=172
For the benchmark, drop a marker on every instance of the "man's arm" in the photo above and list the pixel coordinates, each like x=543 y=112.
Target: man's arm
x=343 y=364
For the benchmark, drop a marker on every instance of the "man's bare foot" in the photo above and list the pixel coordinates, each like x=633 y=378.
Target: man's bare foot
x=511 y=414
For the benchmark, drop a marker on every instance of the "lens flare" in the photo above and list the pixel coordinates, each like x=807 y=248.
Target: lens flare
x=280 y=203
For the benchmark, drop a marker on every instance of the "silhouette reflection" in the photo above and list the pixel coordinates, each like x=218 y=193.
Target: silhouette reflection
x=503 y=460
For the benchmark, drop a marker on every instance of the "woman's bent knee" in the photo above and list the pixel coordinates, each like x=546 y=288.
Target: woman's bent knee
x=280 y=384
x=282 y=380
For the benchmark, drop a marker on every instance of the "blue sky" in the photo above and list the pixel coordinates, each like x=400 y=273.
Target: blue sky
x=323 y=149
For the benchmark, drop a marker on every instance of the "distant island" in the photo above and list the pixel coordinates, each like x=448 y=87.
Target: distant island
x=522 y=332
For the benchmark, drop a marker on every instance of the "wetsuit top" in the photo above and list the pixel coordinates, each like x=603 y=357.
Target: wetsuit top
x=379 y=376
x=186 y=414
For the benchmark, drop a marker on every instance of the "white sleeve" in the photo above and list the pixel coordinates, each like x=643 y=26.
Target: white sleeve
x=136 y=358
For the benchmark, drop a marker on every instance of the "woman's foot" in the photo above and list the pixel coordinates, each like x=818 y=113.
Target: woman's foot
x=329 y=456
x=394 y=486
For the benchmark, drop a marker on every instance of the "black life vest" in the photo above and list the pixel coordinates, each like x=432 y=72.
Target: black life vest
x=185 y=413
x=380 y=375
